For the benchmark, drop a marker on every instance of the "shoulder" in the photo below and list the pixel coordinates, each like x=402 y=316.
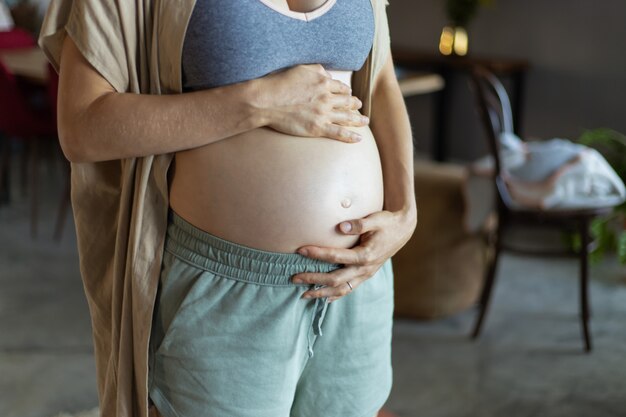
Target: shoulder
x=97 y=28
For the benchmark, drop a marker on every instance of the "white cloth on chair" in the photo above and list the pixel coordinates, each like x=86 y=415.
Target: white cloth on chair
x=549 y=175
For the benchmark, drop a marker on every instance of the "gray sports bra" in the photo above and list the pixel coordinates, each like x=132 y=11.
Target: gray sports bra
x=229 y=41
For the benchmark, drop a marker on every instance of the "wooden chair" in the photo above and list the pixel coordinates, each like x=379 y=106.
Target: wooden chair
x=495 y=112
x=18 y=119
x=16 y=38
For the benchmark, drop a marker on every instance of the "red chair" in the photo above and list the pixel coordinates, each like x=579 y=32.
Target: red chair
x=16 y=38
x=19 y=120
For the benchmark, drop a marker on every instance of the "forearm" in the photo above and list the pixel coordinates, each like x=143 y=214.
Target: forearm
x=391 y=127
x=123 y=125
x=97 y=123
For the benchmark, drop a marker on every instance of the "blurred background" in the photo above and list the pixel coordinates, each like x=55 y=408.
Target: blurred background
x=551 y=341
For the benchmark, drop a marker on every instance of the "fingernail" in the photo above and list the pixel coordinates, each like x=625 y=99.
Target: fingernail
x=303 y=252
x=297 y=280
x=345 y=226
x=357 y=138
x=307 y=296
x=365 y=119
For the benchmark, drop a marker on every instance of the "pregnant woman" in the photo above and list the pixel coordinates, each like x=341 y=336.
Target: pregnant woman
x=285 y=202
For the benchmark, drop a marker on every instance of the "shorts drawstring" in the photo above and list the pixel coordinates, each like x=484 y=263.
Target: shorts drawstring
x=319 y=311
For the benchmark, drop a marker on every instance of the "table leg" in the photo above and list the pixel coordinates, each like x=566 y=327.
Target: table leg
x=439 y=148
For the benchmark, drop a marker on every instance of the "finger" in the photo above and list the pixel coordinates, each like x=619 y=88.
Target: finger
x=344 y=102
x=340 y=133
x=335 y=255
x=358 y=226
x=338 y=87
x=340 y=290
x=336 y=278
x=349 y=118
x=332 y=279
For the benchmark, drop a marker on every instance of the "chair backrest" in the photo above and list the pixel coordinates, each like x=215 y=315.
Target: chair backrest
x=494 y=108
x=16 y=38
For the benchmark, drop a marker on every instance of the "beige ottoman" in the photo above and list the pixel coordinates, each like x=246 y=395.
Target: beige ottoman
x=440 y=270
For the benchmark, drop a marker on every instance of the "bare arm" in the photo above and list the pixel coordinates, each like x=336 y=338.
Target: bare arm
x=96 y=123
x=392 y=129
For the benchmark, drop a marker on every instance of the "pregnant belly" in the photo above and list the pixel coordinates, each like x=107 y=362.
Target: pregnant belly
x=277 y=192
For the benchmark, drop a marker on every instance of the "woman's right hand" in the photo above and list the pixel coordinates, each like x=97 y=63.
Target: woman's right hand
x=305 y=100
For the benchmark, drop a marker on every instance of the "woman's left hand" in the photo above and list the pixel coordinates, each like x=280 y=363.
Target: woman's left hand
x=382 y=234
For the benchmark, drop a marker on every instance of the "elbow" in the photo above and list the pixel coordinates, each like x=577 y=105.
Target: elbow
x=74 y=139
x=79 y=131
x=69 y=133
x=74 y=145
x=70 y=143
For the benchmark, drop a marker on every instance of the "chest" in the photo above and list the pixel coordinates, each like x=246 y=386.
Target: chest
x=238 y=40
x=297 y=5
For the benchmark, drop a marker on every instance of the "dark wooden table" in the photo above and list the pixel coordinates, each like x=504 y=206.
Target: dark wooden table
x=449 y=66
x=414 y=83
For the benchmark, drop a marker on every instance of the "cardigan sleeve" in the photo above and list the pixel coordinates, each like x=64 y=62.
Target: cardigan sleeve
x=95 y=26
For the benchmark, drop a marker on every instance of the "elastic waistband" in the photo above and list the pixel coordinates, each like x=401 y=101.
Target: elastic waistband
x=229 y=259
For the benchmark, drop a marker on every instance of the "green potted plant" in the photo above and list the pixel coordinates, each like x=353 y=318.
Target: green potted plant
x=609 y=233
x=460 y=12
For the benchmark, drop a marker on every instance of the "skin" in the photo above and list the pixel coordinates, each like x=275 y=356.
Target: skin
x=95 y=121
x=383 y=233
x=320 y=180
x=298 y=5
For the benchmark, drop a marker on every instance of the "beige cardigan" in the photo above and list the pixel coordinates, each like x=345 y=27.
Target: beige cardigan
x=120 y=207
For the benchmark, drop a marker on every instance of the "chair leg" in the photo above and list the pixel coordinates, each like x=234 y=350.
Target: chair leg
x=490 y=278
x=584 y=282
x=34 y=184
x=4 y=170
x=24 y=166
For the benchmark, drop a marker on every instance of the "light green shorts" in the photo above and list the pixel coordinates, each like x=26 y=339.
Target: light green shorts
x=231 y=336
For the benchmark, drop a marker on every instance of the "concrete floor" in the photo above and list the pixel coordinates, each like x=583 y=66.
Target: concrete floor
x=529 y=361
